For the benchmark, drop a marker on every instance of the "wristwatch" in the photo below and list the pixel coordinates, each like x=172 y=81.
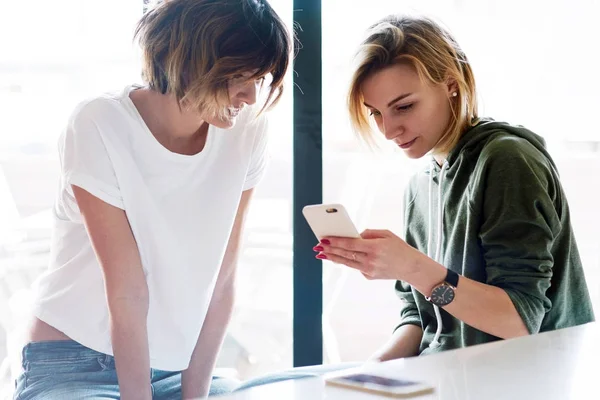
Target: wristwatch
x=442 y=294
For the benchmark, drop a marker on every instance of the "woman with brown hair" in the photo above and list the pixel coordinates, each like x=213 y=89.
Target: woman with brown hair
x=488 y=250
x=155 y=184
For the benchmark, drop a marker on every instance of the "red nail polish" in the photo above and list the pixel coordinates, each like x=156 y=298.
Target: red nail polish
x=321 y=256
x=325 y=241
x=318 y=248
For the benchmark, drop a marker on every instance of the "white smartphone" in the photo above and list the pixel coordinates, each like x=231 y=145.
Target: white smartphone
x=390 y=387
x=329 y=220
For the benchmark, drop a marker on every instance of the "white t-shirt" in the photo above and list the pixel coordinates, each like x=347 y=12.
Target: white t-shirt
x=181 y=210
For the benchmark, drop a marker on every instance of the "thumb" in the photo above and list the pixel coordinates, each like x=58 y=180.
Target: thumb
x=374 y=234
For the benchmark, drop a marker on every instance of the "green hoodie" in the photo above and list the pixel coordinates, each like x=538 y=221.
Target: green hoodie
x=505 y=222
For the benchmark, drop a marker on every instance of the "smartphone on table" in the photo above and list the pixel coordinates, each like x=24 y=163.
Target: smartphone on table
x=376 y=384
x=329 y=220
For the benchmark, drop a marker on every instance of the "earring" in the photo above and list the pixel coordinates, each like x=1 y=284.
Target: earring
x=454 y=94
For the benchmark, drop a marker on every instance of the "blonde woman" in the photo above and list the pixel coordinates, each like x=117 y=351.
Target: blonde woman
x=488 y=250
x=155 y=184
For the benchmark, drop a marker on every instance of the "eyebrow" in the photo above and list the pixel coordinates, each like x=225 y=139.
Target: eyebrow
x=402 y=96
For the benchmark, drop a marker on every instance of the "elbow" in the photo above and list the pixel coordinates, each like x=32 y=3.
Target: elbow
x=519 y=331
x=224 y=295
x=516 y=327
x=523 y=313
x=521 y=328
x=228 y=294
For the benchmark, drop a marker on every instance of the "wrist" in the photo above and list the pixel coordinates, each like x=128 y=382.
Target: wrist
x=194 y=394
x=137 y=394
x=425 y=274
x=195 y=383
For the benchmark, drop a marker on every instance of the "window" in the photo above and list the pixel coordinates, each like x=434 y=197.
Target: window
x=535 y=64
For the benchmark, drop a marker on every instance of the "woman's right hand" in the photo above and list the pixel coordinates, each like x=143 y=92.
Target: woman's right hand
x=126 y=291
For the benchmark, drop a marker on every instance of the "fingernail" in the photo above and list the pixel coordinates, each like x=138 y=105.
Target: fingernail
x=318 y=248
x=321 y=256
x=325 y=241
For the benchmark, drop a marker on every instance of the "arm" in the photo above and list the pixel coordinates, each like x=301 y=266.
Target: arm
x=126 y=291
x=482 y=306
x=404 y=342
x=196 y=379
x=518 y=229
x=519 y=226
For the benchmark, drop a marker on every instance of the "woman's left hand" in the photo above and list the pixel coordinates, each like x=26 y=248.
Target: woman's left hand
x=378 y=254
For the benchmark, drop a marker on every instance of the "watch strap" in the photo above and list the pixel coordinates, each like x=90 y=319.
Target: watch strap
x=451 y=278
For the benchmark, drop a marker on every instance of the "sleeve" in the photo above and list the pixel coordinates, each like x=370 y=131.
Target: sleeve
x=409 y=312
x=260 y=153
x=518 y=228
x=84 y=158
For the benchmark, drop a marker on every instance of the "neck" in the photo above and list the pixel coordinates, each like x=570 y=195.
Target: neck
x=440 y=158
x=166 y=118
x=177 y=129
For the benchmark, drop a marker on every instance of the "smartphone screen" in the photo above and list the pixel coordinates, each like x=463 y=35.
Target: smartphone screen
x=378 y=380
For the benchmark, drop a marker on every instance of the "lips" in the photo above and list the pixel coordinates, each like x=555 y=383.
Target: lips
x=406 y=145
x=233 y=112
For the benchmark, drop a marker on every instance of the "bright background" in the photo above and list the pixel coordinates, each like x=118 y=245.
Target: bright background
x=536 y=64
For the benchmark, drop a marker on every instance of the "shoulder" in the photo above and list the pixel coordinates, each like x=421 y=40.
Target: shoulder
x=94 y=123
x=514 y=162
x=106 y=107
x=505 y=150
x=503 y=144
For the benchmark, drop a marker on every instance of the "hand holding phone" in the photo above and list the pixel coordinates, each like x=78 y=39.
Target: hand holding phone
x=329 y=220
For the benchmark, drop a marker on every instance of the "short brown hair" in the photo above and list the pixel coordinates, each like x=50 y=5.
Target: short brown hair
x=432 y=52
x=192 y=48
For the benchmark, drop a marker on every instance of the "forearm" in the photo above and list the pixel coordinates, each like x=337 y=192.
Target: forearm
x=482 y=306
x=126 y=291
x=404 y=342
x=129 y=336
x=196 y=379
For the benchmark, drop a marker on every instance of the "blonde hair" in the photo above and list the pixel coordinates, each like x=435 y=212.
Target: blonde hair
x=436 y=57
x=193 y=48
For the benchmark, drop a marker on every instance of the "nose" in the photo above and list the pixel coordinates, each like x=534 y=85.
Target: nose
x=249 y=92
x=389 y=129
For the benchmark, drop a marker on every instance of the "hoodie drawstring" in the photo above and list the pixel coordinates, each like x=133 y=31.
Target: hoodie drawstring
x=440 y=225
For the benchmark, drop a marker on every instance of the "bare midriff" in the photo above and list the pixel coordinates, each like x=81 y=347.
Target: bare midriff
x=41 y=331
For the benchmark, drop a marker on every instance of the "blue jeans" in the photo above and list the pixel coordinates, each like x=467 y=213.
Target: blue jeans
x=67 y=370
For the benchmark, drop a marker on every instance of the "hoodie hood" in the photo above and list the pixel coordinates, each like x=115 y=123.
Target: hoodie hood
x=473 y=141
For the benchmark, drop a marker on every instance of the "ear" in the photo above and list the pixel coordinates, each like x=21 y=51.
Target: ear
x=452 y=87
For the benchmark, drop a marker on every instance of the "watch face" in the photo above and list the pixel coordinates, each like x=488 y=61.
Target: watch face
x=442 y=295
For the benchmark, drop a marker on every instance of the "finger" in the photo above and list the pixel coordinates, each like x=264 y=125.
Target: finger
x=374 y=234
x=352 y=244
x=319 y=247
x=347 y=254
x=340 y=260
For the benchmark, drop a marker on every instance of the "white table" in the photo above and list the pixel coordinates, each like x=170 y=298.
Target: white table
x=563 y=364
